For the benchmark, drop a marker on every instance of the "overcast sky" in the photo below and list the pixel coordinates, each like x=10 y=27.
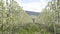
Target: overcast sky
x=33 y=5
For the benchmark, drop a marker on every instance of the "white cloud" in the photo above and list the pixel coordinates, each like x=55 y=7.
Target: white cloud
x=33 y=6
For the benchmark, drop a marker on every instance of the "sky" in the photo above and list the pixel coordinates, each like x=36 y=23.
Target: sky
x=33 y=5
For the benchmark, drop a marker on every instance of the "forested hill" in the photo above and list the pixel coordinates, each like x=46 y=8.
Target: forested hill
x=32 y=13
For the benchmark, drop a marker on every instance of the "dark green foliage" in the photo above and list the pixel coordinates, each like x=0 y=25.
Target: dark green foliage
x=33 y=28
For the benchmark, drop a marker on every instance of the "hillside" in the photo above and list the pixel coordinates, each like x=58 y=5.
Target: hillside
x=32 y=13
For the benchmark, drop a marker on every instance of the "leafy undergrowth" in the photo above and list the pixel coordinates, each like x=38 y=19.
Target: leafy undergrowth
x=32 y=28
